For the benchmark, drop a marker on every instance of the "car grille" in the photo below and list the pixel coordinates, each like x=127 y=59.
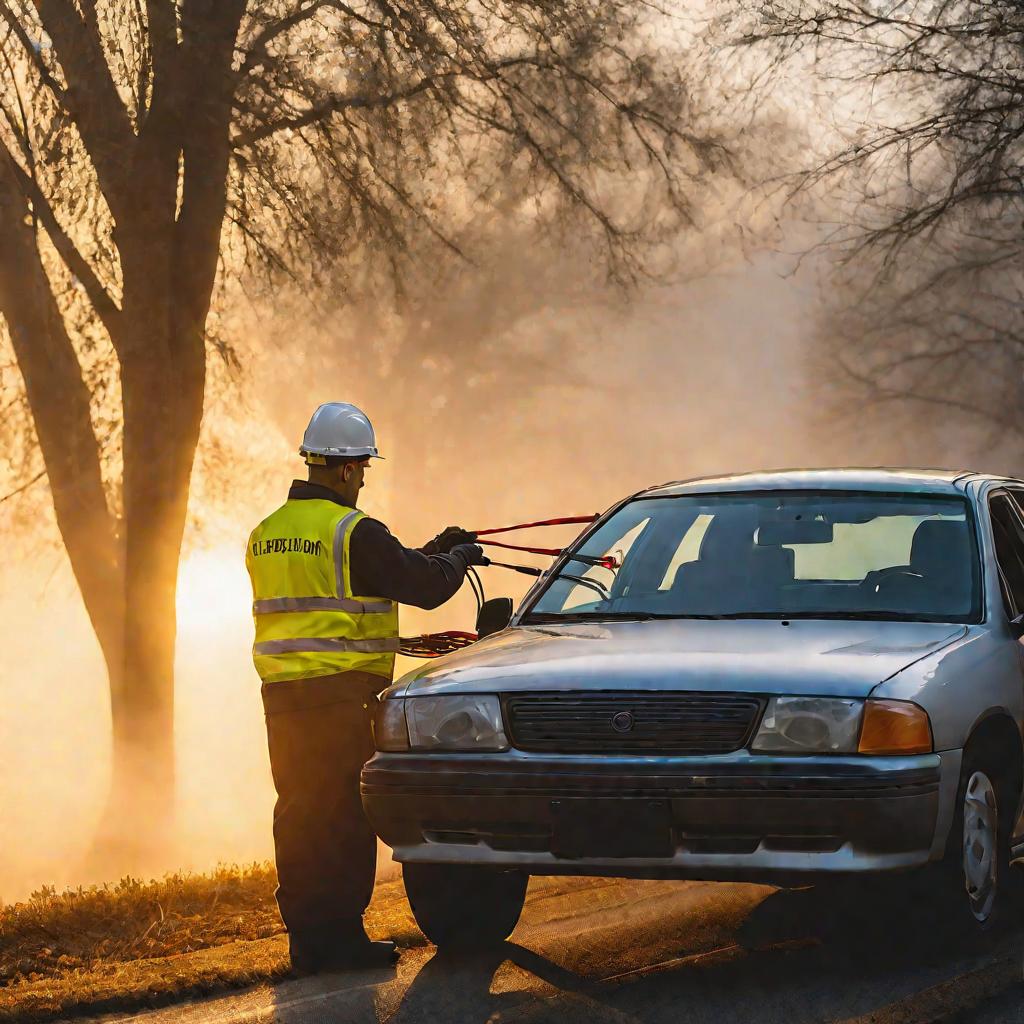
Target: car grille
x=631 y=722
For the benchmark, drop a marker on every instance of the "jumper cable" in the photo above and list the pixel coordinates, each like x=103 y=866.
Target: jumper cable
x=606 y=562
x=541 y=522
x=434 y=645
x=527 y=570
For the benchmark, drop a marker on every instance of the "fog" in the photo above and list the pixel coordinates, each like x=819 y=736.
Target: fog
x=713 y=376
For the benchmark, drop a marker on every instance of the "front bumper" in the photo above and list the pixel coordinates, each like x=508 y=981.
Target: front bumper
x=736 y=817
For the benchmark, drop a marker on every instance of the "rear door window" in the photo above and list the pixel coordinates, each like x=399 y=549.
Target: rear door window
x=1008 y=534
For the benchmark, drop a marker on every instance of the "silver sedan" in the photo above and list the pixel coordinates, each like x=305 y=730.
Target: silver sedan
x=776 y=677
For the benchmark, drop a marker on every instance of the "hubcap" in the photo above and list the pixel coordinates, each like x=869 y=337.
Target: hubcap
x=981 y=845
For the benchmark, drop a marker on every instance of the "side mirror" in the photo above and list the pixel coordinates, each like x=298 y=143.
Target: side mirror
x=494 y=616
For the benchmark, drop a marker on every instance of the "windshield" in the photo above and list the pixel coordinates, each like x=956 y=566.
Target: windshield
x=775 y=555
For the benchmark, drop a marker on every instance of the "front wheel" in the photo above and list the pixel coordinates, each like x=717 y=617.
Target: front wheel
x=959 y=901
x=982 y=862
x=979 y=879
x=464 y=906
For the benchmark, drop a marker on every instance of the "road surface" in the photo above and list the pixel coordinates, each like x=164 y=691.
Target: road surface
x=610 y=951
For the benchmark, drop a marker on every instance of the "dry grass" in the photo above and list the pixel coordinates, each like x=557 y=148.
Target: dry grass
x=139 y=984
x=134 y=944
x=52 y=932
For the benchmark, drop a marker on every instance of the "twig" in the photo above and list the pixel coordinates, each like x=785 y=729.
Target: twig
x=25 y=486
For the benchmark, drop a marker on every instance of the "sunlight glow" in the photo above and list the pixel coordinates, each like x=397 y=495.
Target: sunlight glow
x=213 y=591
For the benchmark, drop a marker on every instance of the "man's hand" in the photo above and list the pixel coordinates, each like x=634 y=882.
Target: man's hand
x=469 y=554
x=448 y=538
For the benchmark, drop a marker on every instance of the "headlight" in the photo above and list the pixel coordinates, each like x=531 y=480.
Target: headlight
x=455 y=722
x=806 y=725
x=828 y=725
x=389 y=731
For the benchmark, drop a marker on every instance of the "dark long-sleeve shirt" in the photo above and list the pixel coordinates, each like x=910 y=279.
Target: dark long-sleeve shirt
x=380 y=566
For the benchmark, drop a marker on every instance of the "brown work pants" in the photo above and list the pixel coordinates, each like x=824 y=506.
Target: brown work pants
x=320 y=736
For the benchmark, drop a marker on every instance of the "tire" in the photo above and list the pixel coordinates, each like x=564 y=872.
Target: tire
x=977 y=875
x=461 y=907
x=960 y=902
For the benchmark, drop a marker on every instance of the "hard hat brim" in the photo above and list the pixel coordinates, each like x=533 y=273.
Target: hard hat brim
x=342 y=453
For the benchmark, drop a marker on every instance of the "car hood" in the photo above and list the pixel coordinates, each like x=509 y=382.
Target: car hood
x=838 y=658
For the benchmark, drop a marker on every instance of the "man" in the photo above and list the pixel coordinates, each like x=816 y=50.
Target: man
x=327 y=581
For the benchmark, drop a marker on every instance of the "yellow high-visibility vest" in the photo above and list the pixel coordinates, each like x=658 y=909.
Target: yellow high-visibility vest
x=308 y=621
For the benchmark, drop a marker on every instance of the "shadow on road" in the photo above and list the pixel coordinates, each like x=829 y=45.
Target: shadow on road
x=800 y=956
x=868 y=925
x=803 y=956
x=457 y=987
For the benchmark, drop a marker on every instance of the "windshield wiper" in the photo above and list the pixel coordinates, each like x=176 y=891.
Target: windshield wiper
x=584 y=581
x=547 y=574
x=548 y=617
x=852 y=616
x=828 y=615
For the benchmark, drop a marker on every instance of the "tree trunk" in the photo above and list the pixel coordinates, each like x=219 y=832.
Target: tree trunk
x=162 y=414
x=169 y=262
x=59 y=400
x=162 y=391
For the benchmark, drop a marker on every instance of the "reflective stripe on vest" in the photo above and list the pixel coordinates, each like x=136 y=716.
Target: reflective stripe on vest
x=328 y=643
x=317 y=604
x=308 y=621
x=342 y=532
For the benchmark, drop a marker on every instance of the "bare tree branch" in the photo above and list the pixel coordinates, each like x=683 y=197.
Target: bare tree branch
x=336 y=104
x=32 y=52
x=41 y=475
x=934 y=186
x=99 y=113
x=105 y=307
x=256 y=52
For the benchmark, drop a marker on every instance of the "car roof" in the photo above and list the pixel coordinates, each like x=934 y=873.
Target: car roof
x=932 y=481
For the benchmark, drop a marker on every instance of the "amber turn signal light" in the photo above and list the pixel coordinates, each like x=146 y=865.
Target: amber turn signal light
x=894 y=727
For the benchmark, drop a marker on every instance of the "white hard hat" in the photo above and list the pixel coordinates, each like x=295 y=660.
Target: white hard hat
x=340 y=430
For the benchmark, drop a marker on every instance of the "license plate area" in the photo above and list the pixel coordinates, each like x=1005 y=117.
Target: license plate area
x=611 y=828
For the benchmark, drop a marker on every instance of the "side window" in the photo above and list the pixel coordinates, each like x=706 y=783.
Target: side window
x=1017 y=494
x=1008 y=534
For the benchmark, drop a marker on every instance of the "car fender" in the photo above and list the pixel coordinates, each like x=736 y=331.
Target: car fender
x=958 y=686
x=962 y=686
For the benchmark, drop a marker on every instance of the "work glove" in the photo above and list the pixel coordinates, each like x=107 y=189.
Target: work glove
x=448 y=538
x=469 y=554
